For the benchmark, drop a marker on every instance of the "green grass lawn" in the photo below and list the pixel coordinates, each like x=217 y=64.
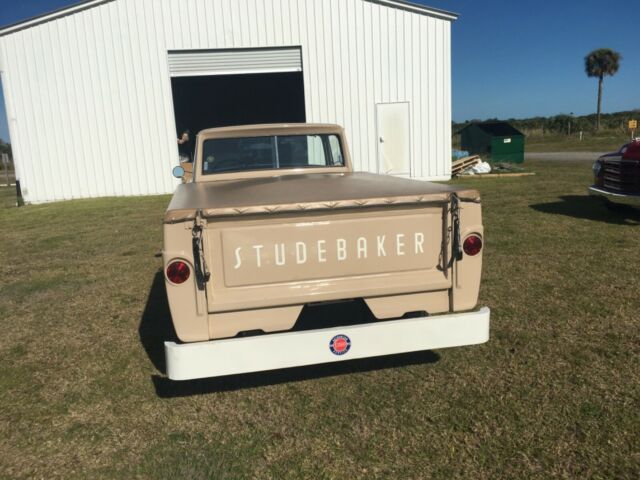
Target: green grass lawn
x=603 y=141
x=554 y=393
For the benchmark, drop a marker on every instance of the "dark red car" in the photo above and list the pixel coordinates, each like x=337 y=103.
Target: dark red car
x=617 y=175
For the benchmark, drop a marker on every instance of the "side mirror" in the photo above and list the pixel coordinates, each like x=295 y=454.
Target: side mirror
x=178 y=172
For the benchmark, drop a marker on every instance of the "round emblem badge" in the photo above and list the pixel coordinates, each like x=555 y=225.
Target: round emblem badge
x=340 y=344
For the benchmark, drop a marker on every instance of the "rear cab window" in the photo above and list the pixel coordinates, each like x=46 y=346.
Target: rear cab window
x=226 y=155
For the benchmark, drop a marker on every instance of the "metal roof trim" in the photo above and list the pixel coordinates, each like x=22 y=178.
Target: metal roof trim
x=53 y=15
x=86 y=4
x=417 y=8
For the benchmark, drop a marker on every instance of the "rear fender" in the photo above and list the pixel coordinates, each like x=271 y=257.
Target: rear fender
x=188 y=304
x=467 y=271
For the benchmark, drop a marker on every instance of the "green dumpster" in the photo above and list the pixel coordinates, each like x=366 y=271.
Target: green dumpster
x=500 y=140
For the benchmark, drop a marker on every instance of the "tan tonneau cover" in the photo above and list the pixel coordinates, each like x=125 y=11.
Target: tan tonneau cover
x=302 y=192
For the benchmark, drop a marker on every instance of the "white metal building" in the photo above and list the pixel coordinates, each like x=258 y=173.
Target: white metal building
x=96 y=93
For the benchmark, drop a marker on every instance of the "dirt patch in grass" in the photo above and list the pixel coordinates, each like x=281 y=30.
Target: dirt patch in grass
x=555 y=393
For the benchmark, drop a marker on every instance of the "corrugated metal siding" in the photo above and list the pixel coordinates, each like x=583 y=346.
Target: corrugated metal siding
x=89 y=94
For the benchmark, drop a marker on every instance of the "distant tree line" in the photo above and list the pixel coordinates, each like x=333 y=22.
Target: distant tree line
x=565 y=123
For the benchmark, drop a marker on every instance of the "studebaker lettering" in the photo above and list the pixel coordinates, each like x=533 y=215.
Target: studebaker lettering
x=360 y=249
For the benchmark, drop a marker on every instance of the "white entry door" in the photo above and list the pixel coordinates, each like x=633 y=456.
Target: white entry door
x=394 y=153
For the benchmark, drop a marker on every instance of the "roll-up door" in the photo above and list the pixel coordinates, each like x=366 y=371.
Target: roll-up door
x=190 y=63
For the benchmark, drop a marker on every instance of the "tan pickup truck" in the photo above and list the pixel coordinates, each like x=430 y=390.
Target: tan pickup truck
x=274 y=219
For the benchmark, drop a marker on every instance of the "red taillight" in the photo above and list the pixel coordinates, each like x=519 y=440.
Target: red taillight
x=178 y=272
x=472 y=245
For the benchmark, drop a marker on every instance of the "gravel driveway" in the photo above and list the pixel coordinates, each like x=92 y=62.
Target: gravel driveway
x=563 y=156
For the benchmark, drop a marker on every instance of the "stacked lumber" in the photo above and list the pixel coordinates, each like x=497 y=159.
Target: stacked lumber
x=460 y=165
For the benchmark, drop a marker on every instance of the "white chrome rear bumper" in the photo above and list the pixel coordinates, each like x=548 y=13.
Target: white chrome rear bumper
x=292 y=349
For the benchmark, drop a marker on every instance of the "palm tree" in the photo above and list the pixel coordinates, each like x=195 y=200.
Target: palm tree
x=599 y=63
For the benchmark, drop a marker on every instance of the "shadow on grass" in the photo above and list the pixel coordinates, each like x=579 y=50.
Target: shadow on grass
x=155 y=325
x=590 y=208
x=156 y=328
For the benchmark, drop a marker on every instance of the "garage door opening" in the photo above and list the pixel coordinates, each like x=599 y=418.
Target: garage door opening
x=226 y=100
x=221 y=88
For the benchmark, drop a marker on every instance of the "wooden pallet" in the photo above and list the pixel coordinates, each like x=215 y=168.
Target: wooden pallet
x=460 y=165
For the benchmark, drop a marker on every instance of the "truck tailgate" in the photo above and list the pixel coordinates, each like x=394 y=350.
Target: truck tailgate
x=287 y=259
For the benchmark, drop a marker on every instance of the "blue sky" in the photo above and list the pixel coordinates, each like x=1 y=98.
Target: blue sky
x=510 y=58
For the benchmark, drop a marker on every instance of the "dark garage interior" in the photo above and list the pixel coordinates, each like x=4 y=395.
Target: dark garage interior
x=225 y=100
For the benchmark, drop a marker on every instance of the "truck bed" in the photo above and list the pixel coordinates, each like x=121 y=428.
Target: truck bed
x=302 y=192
